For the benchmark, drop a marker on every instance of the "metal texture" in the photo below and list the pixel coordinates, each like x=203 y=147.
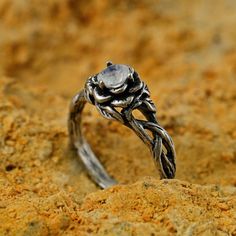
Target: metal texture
x=130 y=95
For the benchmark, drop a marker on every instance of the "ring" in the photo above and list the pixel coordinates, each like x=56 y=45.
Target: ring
x=116 y=92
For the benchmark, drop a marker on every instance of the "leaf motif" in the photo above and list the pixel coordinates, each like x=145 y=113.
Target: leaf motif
x=109 y=113
x=103 y=112
x=150 y=105
x=122 y=102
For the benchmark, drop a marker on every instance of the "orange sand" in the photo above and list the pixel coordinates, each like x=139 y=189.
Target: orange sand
x=184 y=50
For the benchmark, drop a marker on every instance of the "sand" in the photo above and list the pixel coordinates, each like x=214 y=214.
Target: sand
x=184 y=50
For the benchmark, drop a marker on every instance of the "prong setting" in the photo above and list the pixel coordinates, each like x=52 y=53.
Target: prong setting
x=109 y=63
x=115 y=93
x=101 y=84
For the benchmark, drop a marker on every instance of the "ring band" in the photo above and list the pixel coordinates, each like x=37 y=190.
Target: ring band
x=119 y=86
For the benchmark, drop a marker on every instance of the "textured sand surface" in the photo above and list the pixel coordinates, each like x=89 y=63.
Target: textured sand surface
x=184 y=50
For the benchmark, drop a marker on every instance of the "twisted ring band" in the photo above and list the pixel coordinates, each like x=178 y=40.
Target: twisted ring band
x=119 y=86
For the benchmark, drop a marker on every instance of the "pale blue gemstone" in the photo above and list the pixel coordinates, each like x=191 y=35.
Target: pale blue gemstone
x=114 y=76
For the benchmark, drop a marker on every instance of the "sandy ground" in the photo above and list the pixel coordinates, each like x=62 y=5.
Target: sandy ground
x=184 y=50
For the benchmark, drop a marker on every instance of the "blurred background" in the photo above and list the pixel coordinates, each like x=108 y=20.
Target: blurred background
x=184 y=50
x=46 y=41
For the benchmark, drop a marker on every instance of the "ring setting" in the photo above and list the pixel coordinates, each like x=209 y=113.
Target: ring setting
x=115 y=86
x=116 y=92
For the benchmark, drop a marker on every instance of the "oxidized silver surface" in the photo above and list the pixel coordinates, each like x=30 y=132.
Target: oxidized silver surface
x=119 y=86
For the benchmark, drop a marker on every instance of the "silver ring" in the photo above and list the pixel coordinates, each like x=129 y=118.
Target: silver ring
x=119 y=86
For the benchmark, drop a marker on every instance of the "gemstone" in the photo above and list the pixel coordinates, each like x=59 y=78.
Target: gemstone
x=114 y=76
